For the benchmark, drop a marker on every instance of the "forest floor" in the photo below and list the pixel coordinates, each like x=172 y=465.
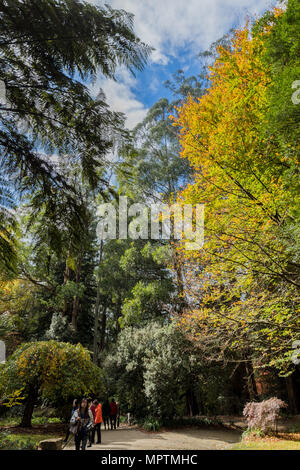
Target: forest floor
x=133 y=438
x=187 y=437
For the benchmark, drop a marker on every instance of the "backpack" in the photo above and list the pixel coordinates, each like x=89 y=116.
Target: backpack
x=75 y=428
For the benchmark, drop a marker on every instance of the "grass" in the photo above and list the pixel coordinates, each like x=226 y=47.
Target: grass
x=282 y=441
x=14 y=421
x=12 y=437
x=21 y=441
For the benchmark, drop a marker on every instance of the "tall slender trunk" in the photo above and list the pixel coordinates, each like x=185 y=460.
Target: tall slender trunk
x=291 y=394
x=96 y=323
x=179 y=281
x=75 y=309
x=250 y=381
x=192 y=408
x=97 y=307
x=67 y=275
x=118 y=313
x=103 y=329
x=29 y=407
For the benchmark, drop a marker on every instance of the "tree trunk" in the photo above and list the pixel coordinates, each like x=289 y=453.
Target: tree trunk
x=291 y=395
x=96 y=322
x=118 y=314
x=103 y=329
x=179 y=281
x=96 y=317
x=29 y=406
x=75 y=312
x=188 y=404
x=251 y=382
x=75 y=309
x=67 y=275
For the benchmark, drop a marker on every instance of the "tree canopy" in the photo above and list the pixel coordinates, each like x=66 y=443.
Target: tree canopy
x=175 y=331
x=50 y=370
x=46 y=65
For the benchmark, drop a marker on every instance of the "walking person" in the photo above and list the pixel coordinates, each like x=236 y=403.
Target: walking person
x=118 y=415
x=98 y=422
x=74 y=408
x=106 y=414
x=93 y=406
x=113 y=414
x=84 y=418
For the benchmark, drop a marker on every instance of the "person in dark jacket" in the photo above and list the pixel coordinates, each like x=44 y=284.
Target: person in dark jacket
x=106 y=414
x=113 y=414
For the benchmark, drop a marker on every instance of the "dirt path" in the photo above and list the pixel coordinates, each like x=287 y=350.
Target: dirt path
x=181 y=439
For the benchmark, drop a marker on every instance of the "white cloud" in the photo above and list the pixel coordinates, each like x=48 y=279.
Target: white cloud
x=168 y=25
x=121 y=98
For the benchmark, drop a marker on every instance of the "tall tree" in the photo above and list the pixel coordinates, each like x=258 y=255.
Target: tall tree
x=245 y=282
x=48 y=49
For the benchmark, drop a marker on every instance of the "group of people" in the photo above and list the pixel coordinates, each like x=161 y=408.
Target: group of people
x=87 y=418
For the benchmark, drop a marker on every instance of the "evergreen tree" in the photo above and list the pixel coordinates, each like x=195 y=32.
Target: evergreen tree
x=50 y=50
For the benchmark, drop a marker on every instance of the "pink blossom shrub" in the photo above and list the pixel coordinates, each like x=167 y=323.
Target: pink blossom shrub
x=262 y=415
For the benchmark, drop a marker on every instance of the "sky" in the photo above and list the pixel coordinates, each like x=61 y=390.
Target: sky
x=178 y=30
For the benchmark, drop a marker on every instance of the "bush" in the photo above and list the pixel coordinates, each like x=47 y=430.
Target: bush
x=195 y=421
x=40 y=420
x=263 y=415
x=148 y=372
x=152 y=424
x=50 y=371
x=123 y=419
x=252 y=434
x=10 y=442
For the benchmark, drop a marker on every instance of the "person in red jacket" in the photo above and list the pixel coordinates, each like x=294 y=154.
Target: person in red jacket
x=113 y=414
x=98 y=422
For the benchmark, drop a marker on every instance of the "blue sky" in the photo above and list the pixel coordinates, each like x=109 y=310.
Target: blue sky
x=178 y=30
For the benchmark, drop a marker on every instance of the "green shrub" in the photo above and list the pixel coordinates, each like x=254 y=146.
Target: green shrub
x=252 y=434
x=191 y=421
x=38 y=420
x=10 y=442
x=294 y=429
x=152 y=424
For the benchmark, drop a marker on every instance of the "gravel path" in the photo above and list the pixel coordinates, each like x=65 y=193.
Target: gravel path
x=181 y=439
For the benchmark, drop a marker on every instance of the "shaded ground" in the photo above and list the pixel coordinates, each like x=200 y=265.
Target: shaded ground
x=288 y=423
x=127 y=438
x=55 y=429
x=183 y=438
